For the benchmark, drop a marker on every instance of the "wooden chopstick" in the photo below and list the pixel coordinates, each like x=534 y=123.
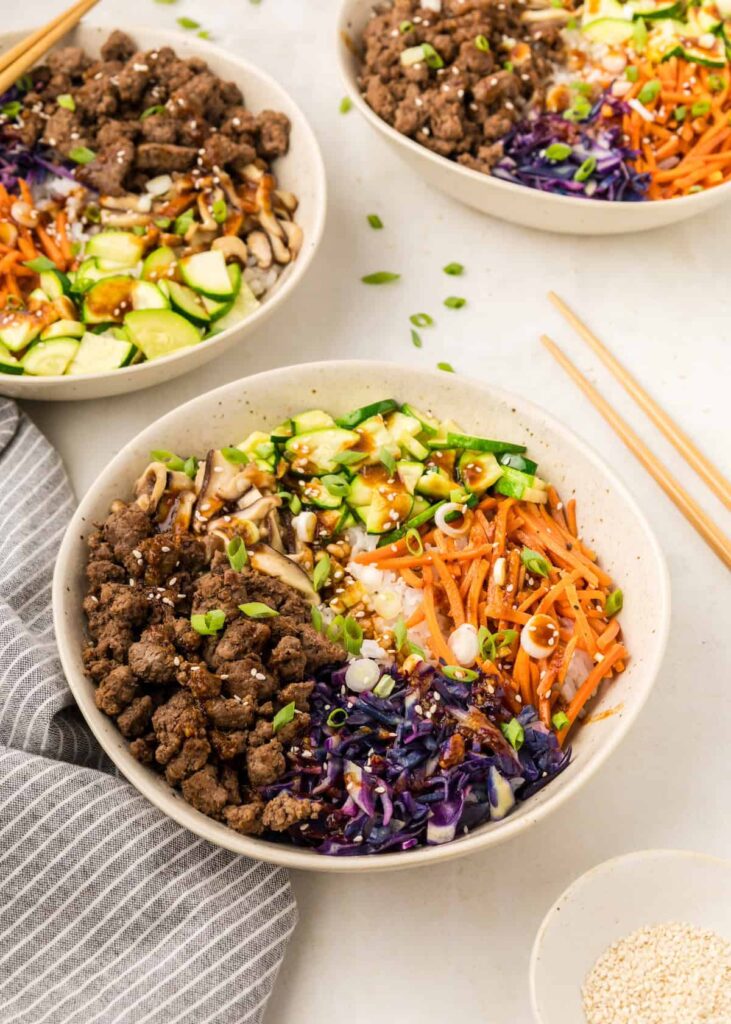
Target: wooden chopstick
x=21 y=57
x=705 y=469
x=709 y=531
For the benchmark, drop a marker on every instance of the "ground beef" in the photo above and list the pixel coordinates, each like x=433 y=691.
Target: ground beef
x=198 y=708
x=477 y=94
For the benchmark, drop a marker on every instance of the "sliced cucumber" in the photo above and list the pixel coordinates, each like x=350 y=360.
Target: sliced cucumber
x=409 y=473
x=654 y=12
x=357 y=416
x=206 y=272
x=314 y=492
x=375 y=438
x=8 y=363
x=63 y=329
x=122 y=247
x=435 y=483
x=99 y=353
x=54 y=283
x=523 y=486
x=283 y=432
x=517 y=462
x=429 y=426
x=90 y=272
x=388 y=511
x=313 y=419
x=715 y=57
x=218 y=308
x=477 y=444
x=160 y=264
x=186 y=301
x=50 y=358
x=403 y=429
x=260 y=449
x=160 y=332
x=314 y=453
x=609 y=30
x=18 y=330
x=244 y=305
x=422 y=512
x=478 y=471
x=109 y=301
x=38 y=296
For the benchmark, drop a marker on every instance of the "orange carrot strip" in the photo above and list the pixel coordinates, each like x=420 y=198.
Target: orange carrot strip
x=451 y=589
x=438 y=644
x=590 y=684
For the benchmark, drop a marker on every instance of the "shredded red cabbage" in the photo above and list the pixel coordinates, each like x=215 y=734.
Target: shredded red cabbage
x=387 y=779
x=614 y=178
x=17 y=160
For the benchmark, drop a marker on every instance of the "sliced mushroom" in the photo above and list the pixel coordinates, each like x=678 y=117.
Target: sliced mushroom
x=288 y=200
x=272 y=563
x=236 y=524
x=546 y=14
x=179 y=482
x=252 y=173
x=216 y=473
x=275 y=534
x=24 y=214
x=232 y=247
x=261 y=249
x=233 y=489
x=206 y=218
x=294 y=235
x=259 y=510
x=150 y=487
x=229 y=189
x=279 y=249
x=180 y=518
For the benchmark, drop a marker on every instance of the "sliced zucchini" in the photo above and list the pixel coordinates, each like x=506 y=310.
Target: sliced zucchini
x=409 y=473
x=109 y=301
x=63 y=329
x=388 y=511
x=523 y=486
x=54 y=283
x=260 y=449
x=315 y=453
x=715 y=57
x=122 y=247
x=374 y=438
x=314 y=419
x=243 y=305
x=37 y=298
x=159 y=332
x=477 y=444
x=160 y=264
x=403 y=429
x=429 y=426
x=654 y=11
x=99 y=353
x=517 y=462
x=611 y=31
x=478 y=471
x=8 y=363
x=357 y=416
x=50 y=358
x=422 y=512
x=18 y=330
x=206 y=273
x=314 y=492
x=435 y=483
x=283 y=432
x=186 y=301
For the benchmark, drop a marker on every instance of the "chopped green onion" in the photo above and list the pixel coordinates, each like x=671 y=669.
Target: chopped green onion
x=352 y=635
x=190 y=466
x=614 y=603
x=632 y=73
x=188 y=23
x=586 y=170
x=337 y=718
x=375 y=221
x=204 y=34
x=345 y=104
x=405 y=26
x=492 y=643
x=639 y=35
x=558 y=151
x=458 y=673
x=716 y=83
x=334 y=630
x=453 y=269
x=137 y=229
x=380 y=277
x=421 y=320
x=257 y=610
x=210 y=623
x=649 y=91
x=431 y=57
x=235 y=455
x=336 y=484
x=701 y=108
x=447 y=367
x=322 y=573
x=316 y=616
x=572 y=24
x=293 y=502
x=579 y=110
x=514 y=733
x=482 y=43
x=93 y=214
x=172 y=461
x=384 y=687
x=348 y=458
x=695 y=188
x=560 y=720
x=455 y=302
x=163 y=223
x=388 y=460
x=237 y=554
x=399 y=633
x=82 y=155
x=508 y=65
x=556 y=3
x=25 y=83
x=535 y=563
x=67 y=101
x=416 y=339
x=415 y=649
x=11 y=109
x=414 y=543
x=183 y=222
x=39 y=264
x=284 y=716
x=220 y=211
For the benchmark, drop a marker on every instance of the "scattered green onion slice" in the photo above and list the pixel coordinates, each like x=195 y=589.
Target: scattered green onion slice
x=432 y=58
x=639 y=35
x=482 y=43
x=183 y=222
x=335 y=483
x=586 y=170
x=716 y=83
x=316 y=616
x=208 y=624
x=416 y=339
x=388 y=460
x=701 y=108
x=421 y=320
x=556 y=3
x=238 y=556
x=492 y=643
x=352 y=635
x=322 y=572
x=632 y=73
x=558 y=151
x=455 y=302
x=39 y=264
x=171 y=460
x=67 y=101
x=82 y=155
x=453 y=269
x=514 y=733
x=399 y=633
x=189 y=23
x=375 y=221
x=614 y=603
x=235 y=455
x=190 y=466
x=579 y=109
x=203 y=34
x=508 y=65
x=258 y=610
x=380 y=277
x=447 y=367
x=384 y=687
x=284 y=716
x=348 y=458
x=572 y=24
x=460 y=674
x=534 y=562
x=680 y=113
x=695 y=188
x=405 y=26
x=163 y=223
x=560 y=720
x=220 y=211
x=649 y=91
x=414 y=543
x=415 y=649
x=345 y=104
x=337 y=718
x=25 y=83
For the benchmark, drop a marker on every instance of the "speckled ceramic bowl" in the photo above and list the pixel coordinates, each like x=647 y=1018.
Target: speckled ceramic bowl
x=610 y=520
x=301 y=171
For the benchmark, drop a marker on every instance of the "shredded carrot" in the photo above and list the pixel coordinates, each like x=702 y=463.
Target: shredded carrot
x=438 y=643
x=451 y=590
x=587 y=688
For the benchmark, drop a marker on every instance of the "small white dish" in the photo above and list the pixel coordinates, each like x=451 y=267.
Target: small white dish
x=516 y=203
x=301 y=171
x=610 y=902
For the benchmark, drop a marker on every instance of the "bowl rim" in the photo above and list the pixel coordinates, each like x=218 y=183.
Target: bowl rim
x=587 y=877
x=345 y=52
x=291 y=856
x=298 y=267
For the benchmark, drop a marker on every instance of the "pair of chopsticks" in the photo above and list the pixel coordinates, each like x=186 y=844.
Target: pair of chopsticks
x=21 y=57
x=706 y=527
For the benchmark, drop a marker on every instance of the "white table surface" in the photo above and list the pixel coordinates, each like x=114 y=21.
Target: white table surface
x=449 y=942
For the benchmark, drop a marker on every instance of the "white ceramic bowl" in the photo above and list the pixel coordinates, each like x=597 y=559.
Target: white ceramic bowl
x=610 y=902
x=610 y=520
x=503 y=199
x=301 y=171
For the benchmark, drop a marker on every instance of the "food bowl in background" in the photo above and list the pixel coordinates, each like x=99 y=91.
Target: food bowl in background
x=516 y=203
x=301 y=171
x=611 y=522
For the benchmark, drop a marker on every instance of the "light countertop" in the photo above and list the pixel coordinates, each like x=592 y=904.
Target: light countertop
x=449 y=942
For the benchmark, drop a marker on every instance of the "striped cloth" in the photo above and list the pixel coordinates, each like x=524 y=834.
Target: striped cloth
x=110 y=913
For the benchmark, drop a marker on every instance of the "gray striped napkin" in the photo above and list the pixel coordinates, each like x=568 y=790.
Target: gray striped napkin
x=110 y=913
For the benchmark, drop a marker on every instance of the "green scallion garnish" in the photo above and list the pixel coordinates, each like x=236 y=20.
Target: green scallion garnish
x=639 y=35
x=432 y=58
x=414 y=544
x=482 y=43
x=514 y=733
x=535 y=563
x=459 y=673
x=586 y=170
x=258 y=610
x=171 y=460
x=335 y=483
x=190 y=466
x=322 y=572
x=421 y=320
x=405 y=26
x=220 y=211
x=210 y=623
x=558 y=151
x=337 y=718
x=82 y=155
x=380 y=277
x=375 y=221
x=632 y=73
x=680 y=113
x=399 y=633
x=11 y=109
x=284 y=716
x=352 y=635
x=183 y=222
x=492 y=643
x=701 y=108
x=416 y=339
x=40 y=264
x=455 y=302
x=235 y=456
x=316 y=616
x=560 y=720
x=453 y=269
x=508 y=65
x=385 y=456
x=188 y=23
x=614 y=603
x=237 y=554
x=716 y=83
x=649 y=91
x=447 y=367
x=384 y=687
x=67 y=101
x=345 y=104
